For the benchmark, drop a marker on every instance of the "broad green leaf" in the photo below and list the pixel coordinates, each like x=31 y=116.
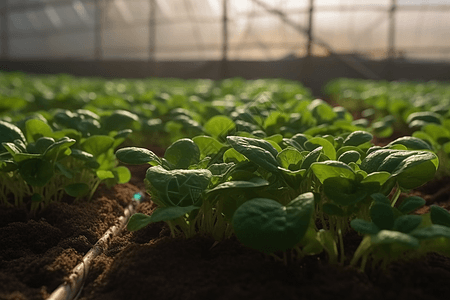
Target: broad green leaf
x=415 y=170
x=77 y=189
x=60 y=146
x=231 y=155
x=440 y=216
x=256 y=154
x=97 y=144
x=349 y=156
x=178 y=187
x=183 y=153
x=105 y=174
x=240 y=143
x=380 y=177
x=207 y=145
x=380 y=198
x=410 y=204
x=36 y=171
x=394 y=237
x=290 y=158
x=9 y=133
x=255 y=182
x=138 y=221
x=137 y=156
x=357 y=138
x=301 y=138
x=426 y=116
x=36 y=129
x=364 y=227
x=328 y=148
x=407 y=223
x=332 y=210
x=118 y=120
x=42 y=144
x=411 y=143
x=343 y=191
x=327 y=169
x=311 y=158
x=431 y=232
x=267 y=226
x=122 y=173
x=382 y=215
x=219 y=126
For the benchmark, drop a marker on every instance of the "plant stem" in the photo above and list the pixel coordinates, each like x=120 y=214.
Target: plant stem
x=396 y=195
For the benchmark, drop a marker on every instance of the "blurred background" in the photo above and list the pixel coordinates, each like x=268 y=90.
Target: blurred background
x=308 y=40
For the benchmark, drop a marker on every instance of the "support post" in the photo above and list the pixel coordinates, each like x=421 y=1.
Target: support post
x=5 y=31
x=98 y=28
x=307 y=60
x=391 y=41
x=152 y=31
x=223 y=68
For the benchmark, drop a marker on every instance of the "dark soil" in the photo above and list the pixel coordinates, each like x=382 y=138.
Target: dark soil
x=36 y=254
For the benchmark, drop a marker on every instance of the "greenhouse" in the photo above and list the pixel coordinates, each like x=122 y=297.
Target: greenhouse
x=224 y=149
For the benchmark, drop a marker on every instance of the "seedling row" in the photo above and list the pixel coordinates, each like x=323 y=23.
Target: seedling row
x=287 y=174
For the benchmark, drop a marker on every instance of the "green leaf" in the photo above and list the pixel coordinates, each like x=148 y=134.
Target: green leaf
x=364 y=227
x=240 y=143
x=343 y=191
x=122 y=173
x=357 y=138
x=415 y=170
x=267 y=226
x=349 y=156
x=255 y=182
x=118 y=120
x=257 y=154
x=219 y=126
x=36 y=171
x=440 y=216
x=97 y=144
x=183 y=153
x=290 y=159
x=178 y=187
x=410 y=204
x=231 y=155
x=394 y=237
x=77 y=189
x=104 y=174
x=407 y=223
x=311 y=158
x=328 y=148
x=36 y=129
x=332 y=210
x=327 y=169
x=137 y=156
x=60 y=146
x=382 y=215
x=207 y=145
x=431 y=232
x=411 y=143
x=138 y=221
x=380 y=177
x=380 y=198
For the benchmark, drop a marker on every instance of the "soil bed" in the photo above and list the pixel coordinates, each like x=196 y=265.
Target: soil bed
x=36 y=254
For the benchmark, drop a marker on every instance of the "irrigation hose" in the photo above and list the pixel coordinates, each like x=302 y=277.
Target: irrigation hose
x=71 y=288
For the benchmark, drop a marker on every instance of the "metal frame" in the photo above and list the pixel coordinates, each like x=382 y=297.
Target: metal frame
x=392 y=52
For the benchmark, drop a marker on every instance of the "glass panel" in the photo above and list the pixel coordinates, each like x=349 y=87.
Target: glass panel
x=127 y=43
x=423 y=33
x=272 y=36
x=353 y=31
x=76 y=45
